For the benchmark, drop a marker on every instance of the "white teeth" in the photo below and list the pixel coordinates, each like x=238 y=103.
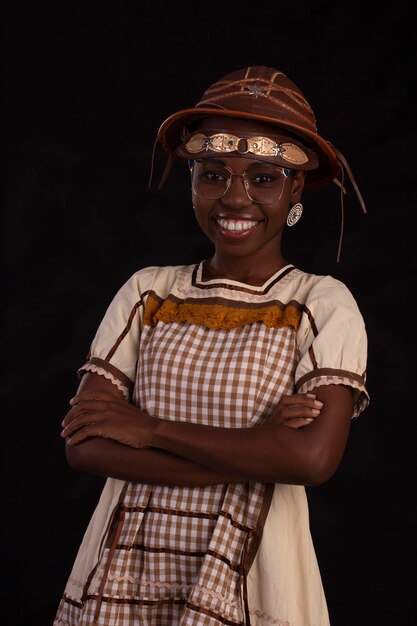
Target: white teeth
x=236 y=224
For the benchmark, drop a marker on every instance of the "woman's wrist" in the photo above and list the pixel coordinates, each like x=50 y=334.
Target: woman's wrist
x=157 y=433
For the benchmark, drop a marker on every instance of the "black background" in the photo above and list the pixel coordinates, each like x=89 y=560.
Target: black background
x=85 y=86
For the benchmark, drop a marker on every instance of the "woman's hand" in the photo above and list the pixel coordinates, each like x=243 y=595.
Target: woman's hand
x=99 y=413
x=295 y=411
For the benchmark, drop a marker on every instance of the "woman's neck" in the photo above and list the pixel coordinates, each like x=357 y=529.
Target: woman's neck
x=240 y=270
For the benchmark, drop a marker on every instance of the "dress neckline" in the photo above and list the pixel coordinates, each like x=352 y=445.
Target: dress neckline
x=212 y=282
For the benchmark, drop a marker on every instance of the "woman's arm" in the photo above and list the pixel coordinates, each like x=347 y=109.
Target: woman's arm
x=268 y=453
x=271 y=452
x=108 y=457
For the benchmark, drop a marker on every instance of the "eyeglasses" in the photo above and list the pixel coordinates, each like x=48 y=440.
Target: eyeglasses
x=263 y=182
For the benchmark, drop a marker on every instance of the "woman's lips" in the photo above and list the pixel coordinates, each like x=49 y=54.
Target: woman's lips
x=237 y=227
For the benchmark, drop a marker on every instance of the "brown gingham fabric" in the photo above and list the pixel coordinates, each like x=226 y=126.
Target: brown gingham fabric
x=178 y=558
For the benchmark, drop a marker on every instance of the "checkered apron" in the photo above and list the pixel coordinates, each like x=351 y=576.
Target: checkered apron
x=175 y=554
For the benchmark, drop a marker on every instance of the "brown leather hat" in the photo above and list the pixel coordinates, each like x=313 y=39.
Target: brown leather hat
x=262 y=94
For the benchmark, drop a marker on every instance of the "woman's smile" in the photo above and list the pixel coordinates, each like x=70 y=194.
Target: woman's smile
x=236 y=227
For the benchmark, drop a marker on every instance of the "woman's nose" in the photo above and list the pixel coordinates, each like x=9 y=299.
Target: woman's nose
x=237 y=194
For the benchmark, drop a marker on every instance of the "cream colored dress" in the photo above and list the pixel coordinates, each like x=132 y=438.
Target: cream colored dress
x=220 y=353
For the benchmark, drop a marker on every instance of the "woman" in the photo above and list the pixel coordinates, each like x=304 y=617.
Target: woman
x=213 y=393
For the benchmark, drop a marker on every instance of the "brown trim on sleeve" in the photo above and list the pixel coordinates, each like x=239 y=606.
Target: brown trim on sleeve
x=125 y=331
x=329 y=372
x=311 y=320
x=313 y=357
x=111 y=369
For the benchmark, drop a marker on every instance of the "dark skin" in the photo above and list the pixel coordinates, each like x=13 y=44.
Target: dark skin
x=301 y=442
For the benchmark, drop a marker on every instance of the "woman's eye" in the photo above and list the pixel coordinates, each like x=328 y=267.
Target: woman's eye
x=213 y=177
x=260 y=179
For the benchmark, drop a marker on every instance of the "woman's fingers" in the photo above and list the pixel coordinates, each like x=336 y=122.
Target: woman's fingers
x=77 y=421
x=298 y=422
x=297 y=406
x=92 y=394
x=107 y=417
x=301 y=399
x=92 y=430
x=87 y=402
x=299 y=410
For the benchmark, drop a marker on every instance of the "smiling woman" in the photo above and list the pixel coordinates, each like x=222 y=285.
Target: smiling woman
x=214 y=393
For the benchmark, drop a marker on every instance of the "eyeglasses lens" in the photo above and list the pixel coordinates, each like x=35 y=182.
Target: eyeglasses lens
x=263 y=183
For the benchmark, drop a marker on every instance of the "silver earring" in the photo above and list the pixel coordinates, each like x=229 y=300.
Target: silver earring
x=193 y=207
x=294 y=214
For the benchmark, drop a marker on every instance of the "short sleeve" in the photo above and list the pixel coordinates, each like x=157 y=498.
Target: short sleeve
x=114 y=349
x=332 y=342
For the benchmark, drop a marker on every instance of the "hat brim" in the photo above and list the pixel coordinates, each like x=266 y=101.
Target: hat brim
x=169 y=136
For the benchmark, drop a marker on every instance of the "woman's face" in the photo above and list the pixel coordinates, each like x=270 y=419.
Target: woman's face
x=237 y=224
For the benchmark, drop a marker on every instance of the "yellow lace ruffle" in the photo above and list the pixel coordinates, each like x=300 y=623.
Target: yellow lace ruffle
x=214 y=315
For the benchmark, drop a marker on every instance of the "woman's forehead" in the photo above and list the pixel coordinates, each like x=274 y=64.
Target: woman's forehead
x=235 y=162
